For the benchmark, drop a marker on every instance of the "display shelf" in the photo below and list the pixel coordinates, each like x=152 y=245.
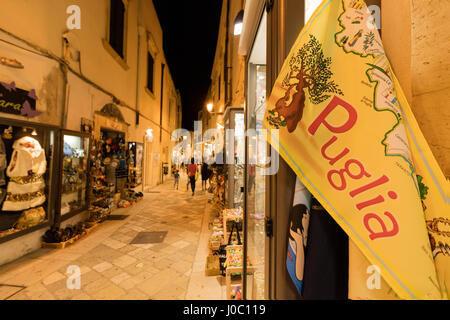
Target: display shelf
x=234 y=266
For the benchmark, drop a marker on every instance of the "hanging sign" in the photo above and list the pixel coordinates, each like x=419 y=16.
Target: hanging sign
x=17 y=101
x=348 y=132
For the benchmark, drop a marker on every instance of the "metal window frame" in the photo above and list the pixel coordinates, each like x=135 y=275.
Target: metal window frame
x=58 y=216
x=245 y=204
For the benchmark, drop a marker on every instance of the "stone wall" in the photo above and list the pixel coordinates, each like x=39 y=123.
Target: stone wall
x=430 y=65
x=416 y=39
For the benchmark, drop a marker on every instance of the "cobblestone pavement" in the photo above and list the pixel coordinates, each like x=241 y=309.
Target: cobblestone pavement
x=111 y=267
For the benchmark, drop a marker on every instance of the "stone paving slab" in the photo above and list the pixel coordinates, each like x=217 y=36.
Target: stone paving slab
x=111 y=267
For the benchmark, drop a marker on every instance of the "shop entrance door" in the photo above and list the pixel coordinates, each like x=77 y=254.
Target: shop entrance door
x=285 y=20
x=115 y=150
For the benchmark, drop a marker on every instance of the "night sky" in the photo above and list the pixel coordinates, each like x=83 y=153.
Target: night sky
x=190 y=31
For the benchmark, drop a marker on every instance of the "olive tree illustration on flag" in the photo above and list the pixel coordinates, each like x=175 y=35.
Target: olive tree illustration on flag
x=308 y=70
x=347 y=131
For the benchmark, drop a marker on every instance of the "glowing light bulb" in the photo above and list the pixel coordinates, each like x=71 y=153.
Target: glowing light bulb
x=238 y=28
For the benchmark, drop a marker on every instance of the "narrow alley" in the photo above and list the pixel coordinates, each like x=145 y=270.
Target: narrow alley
x=316 y=134
x=114 y=268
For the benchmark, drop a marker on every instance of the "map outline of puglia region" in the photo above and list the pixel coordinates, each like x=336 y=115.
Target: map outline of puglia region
x=359 y=36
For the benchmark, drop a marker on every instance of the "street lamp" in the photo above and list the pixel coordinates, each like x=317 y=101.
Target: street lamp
x=149 y=135
x=209 y=107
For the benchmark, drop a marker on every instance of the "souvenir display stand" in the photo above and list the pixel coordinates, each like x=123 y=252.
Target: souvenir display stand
x=114 y=152
x=225 y=243
x=216 y=220
x=217 y=236
x=229 y=216
x=103 y=185
x=101 y=195
x=234 y=268
x=96 y=202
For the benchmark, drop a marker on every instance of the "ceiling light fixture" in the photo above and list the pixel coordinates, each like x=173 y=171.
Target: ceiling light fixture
x=238 y=22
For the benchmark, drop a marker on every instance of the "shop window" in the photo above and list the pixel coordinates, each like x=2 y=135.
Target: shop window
x=117 y=26
x=255 y=207
x=234 y=155
x=150 y=72
x=74 y=182
x=26 y=187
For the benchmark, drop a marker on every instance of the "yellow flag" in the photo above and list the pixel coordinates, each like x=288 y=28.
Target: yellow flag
x=347 y=131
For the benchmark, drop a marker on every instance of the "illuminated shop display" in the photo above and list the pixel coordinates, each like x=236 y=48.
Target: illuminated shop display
x=74 y=183
x=26 y=176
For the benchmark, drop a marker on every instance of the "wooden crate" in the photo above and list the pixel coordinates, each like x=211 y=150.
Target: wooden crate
x=62 y=245
x=88 y=230
x=59 y=245
x=212 y=265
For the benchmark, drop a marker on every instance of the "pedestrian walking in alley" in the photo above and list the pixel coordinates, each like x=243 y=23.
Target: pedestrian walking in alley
x=192 y=173
x=188 y=182
x=205 y=175
x=176 y=176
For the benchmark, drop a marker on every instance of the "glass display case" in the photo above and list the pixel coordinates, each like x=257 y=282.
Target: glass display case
x=27 y=180
x=255 y=164
x=234 y=156
x=135 y=156
x=74 y=169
